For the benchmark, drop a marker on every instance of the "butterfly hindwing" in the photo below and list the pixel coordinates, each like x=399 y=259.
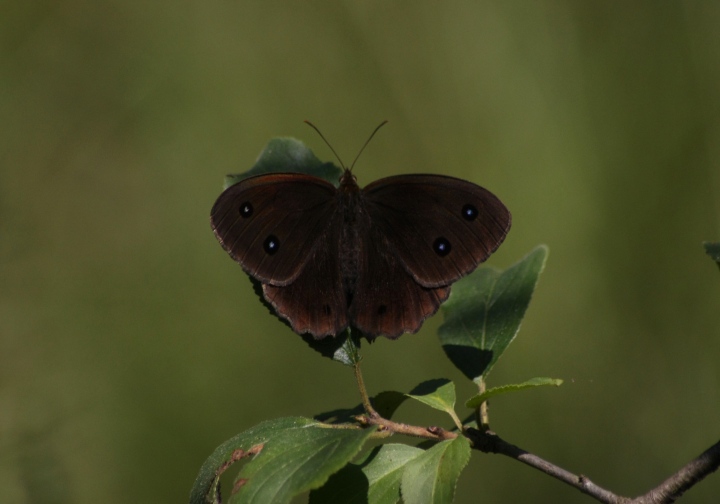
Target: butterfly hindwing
x=315 y=301
x=387 y=300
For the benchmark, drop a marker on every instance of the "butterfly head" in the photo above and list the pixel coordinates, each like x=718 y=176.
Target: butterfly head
x=348 y=181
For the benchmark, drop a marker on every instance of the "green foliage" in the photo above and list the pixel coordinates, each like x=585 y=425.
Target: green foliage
x=438 y=394
x=209 y=477
x=375 y=477
x=478 y=399
x=288 y=155
x=431 y=477
x=295 y=455
x=343 y=348
x=297 y=460
x=388 y=472
x=484 y=311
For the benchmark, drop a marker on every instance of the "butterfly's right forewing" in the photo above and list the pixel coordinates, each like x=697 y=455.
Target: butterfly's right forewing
x=271 y=224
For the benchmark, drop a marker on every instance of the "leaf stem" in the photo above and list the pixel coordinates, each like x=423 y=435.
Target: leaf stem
x=482 y=415
x=363 y=392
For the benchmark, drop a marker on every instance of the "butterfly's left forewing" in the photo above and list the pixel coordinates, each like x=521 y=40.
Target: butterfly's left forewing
x=440 y=227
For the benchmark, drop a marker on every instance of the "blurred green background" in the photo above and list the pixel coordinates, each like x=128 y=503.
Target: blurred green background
x=131 y=345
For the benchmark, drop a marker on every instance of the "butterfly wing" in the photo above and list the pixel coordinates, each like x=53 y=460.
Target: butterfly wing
x=315 y=301
x=387 y=300
x=440 y=227
x=271 y=224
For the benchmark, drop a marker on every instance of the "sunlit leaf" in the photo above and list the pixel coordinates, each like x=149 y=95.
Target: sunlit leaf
x=295 y=461
x=290 y=456
x=202 y=490
x=484 y=312
x=477 y=400
x=438 y=394
x=432 y=476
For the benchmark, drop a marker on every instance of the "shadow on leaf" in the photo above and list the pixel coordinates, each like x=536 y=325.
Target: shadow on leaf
x=470 y=360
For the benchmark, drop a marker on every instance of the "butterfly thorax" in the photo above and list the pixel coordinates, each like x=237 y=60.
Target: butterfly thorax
x=355 y=221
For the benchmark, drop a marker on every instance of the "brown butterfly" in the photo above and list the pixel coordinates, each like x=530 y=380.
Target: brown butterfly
x=380 y=259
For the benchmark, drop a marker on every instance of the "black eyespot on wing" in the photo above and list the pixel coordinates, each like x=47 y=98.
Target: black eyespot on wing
x=246 y=209
x=441 y=246
x=271 y=245
x=469 y=212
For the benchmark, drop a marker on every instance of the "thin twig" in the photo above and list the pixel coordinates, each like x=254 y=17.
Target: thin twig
x=433 y=433
x=489 y=442
x=693 y=472
x=665 y=493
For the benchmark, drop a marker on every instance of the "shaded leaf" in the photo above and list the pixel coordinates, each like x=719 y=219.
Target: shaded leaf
x=438 y=394
x=374 y=478
x=477 y=400
x=386 y=403
x=343 y=348
x=286 y=155
x=432 y=476
x=484 y=312
x=297 y=460
x=713 y=250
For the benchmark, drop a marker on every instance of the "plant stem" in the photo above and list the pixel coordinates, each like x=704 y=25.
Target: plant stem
x=363 y=392
x=482 y=416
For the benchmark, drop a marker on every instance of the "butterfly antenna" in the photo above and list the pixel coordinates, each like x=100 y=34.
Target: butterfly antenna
x=326 y=142
x=367 y=142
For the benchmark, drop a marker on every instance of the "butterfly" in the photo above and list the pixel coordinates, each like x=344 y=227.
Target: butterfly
x=380 y=259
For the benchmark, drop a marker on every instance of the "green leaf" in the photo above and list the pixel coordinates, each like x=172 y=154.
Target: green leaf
x=295 y=461
x=713 y=250
x=204 y=488
x=343 y=348
x=438 y=394
x=295 y=455
x=432 y=476
x=284 y=155
x=477 y=400
x=375 y=477
x=484 y=311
